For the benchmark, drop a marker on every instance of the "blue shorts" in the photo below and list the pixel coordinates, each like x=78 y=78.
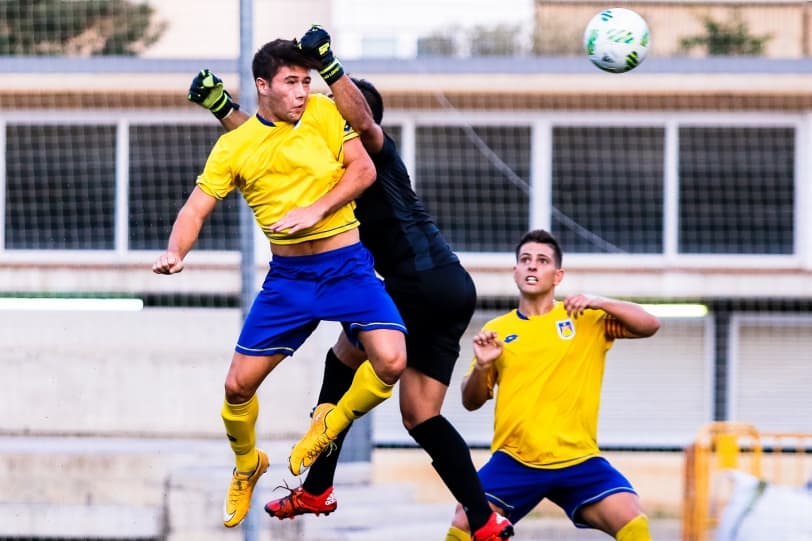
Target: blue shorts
x=518 y=489
x=299 y=292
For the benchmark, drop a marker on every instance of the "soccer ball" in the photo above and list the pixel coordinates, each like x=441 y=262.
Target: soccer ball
x=616 y=40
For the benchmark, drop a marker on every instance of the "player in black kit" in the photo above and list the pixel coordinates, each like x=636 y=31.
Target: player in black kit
x=433 y=292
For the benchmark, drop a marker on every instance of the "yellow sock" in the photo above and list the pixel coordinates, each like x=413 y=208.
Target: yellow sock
x=366 y=392
x=635 y=530
x=240 y=420
x=455 y=534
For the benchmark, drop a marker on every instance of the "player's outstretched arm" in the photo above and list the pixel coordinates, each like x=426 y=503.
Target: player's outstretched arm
x=354 y=108
x=185 y=231
x=352 y=105
x=207 y=90
x=636 y=321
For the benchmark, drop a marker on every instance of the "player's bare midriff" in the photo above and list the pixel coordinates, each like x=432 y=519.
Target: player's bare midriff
x=310 y=247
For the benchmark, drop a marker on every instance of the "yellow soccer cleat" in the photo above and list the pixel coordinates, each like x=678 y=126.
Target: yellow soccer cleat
x=238 y=499
x=318 y=438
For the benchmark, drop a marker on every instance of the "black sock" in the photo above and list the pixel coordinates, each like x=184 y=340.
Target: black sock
x=335 y=382
x=451 y=458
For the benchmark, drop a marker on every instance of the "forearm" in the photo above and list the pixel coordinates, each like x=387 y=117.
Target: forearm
x=359 y=174
x=357 y=178
x=185 y=232
x=234 y=119
x=475 y=390
x=349 y=99
x=352 y=105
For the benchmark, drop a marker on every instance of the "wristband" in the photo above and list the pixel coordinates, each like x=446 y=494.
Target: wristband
x=332 y=72
x=224 y=107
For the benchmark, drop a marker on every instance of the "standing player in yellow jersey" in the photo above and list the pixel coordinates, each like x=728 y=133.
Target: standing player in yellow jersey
x=299 y=166
x=547 y=359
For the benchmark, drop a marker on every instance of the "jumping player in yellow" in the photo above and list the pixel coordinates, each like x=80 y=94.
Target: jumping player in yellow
x=299 y=166
x=433 y=292
x=546 y=358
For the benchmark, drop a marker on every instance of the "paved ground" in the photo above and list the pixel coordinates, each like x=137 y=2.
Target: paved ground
x=395 y=497
x=401 y=499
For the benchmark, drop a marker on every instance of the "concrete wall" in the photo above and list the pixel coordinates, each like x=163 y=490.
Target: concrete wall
x=111 y=428
x=154 y=373
x=111 y=421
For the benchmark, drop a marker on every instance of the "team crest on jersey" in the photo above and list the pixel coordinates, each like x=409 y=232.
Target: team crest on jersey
x=566 y=329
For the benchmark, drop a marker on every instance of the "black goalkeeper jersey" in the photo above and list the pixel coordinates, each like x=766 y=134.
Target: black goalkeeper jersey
x=395 y=225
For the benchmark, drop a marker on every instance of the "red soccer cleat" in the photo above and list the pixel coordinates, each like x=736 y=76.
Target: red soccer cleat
x=300 y=502
x=497 y=528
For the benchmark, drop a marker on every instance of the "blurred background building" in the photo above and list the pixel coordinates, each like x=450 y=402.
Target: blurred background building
x=684 y=184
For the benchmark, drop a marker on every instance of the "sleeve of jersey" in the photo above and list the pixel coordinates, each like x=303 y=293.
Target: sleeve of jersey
x=347 y=131
x=217 y=180
x=388 y=152
x=612 y=327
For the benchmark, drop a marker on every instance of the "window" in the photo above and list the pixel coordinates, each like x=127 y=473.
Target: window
x=60 y=187
x=480 y=199
x=165 y=160
x=736 y=190
x=608 y=189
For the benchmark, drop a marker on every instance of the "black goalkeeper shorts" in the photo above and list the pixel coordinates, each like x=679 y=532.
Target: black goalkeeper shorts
x=437 y=306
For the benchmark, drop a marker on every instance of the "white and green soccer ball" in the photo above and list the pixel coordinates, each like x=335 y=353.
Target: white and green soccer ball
x=616 y=40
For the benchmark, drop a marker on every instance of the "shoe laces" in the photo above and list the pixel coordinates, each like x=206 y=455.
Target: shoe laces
x=323 y=445
x=290 y=503
x=239 y=483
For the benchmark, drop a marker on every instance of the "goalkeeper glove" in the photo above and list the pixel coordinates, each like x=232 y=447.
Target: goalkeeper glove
x=316 y=43
x=207 y=90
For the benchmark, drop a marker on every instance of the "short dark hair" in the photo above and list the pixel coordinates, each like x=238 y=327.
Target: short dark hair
x=542 y=237
x=278 y=53
x=372 y=96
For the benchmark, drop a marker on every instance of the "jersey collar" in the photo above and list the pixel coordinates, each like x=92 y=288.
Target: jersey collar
x=265 y=121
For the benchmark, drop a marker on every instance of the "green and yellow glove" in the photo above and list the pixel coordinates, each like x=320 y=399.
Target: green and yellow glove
x=207 y=90
x=316 y=44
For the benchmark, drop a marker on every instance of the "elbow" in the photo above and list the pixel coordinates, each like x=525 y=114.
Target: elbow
x=364 y=125
x=473 y=394
x=369 y=175
x=650 y=327
x=469 y=405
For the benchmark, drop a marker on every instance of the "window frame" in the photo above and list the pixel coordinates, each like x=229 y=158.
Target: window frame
x=541 y=124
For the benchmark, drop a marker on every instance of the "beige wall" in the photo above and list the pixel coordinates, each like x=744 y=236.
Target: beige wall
x=154 y=373
x=561 y=24
x=211 y=28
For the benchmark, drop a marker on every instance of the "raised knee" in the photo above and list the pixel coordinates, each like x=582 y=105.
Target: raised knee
x=635 y=530
x=390 y=366
x=236 y=393
x=398 y=363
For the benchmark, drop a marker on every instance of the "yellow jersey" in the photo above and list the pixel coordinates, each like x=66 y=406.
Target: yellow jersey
x=280 y=166
x=549 y=379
